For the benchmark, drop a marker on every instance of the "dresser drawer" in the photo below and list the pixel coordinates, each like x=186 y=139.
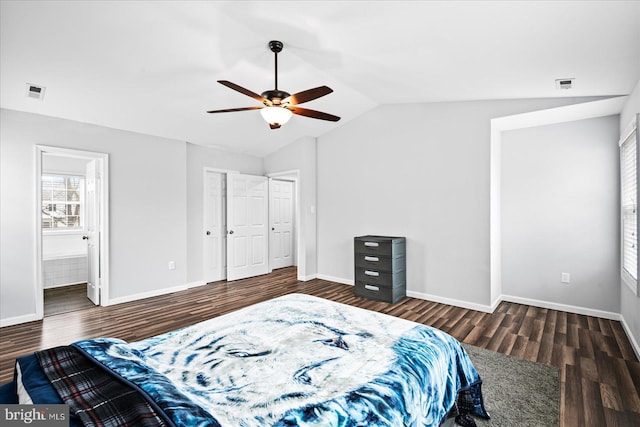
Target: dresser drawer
x=379 y=293
x=379 y=263
x=378 y=245
x=378 y=277
x=375 y=292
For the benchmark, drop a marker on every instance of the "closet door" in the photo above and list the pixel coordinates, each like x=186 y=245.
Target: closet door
x=247 y=226
x=281 y=206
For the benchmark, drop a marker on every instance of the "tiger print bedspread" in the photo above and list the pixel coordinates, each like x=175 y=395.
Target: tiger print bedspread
x=298 y=360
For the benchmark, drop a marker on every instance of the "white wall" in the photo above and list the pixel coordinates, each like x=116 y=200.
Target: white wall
x=148 y=223
x=629 y=303
x=199 y=157
x=419 y=171
x=560 y=213
x=301 y=156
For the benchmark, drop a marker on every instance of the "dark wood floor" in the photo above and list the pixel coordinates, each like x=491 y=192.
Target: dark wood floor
x=65 y=299
x=600 y=375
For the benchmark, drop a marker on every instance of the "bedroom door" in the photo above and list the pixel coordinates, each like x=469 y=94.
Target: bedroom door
x=247 y=226
x=281 y=208
x=92 y=236
x=215 y=233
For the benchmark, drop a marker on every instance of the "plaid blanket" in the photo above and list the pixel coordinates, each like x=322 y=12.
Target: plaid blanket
x=94 y=395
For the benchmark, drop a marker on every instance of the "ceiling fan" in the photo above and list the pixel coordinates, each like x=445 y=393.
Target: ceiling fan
x=278 y=105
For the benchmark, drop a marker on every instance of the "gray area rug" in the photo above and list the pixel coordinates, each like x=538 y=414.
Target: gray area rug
x=516 y=392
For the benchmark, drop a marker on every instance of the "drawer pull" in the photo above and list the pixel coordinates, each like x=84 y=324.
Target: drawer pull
x=371 y=288
x=371 y=273
x=372 y=258
x=372 y=244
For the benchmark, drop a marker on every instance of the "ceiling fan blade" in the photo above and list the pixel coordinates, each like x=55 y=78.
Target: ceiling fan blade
x=230 y=110
x=243 y=91
x=313 y=114
x=308 y=95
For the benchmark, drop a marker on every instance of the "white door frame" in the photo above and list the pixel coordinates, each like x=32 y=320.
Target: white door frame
x=294 y=175
x=102 y=165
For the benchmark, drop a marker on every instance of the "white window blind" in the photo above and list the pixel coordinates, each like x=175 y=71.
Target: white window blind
x=629 y=204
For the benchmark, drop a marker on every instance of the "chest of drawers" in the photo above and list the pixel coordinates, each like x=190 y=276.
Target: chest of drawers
x=380 y=268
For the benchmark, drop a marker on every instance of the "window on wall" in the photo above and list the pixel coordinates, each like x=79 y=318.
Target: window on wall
x=629 y=207
x=62 y=202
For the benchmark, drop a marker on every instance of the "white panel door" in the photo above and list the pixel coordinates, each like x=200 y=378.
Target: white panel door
x=281 y=218
x=247 y=225
x=92 y=218
x=215 y=233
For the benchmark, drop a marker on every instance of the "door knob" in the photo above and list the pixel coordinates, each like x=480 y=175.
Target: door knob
x=85 y=237
x=230 y=231
x=208 y=233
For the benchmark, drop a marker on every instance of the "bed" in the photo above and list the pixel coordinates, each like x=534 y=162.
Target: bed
x=295 y=360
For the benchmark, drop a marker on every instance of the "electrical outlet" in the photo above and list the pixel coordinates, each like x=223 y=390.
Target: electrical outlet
x=172 y=265
x=565 y=278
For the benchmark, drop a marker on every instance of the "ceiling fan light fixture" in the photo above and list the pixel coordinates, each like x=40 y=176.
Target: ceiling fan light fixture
x=276 y=116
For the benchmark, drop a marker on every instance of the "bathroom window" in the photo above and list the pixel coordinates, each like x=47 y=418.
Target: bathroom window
x=62 y=202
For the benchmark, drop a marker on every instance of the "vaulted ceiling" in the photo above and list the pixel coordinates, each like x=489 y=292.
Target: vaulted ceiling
x=152 y=66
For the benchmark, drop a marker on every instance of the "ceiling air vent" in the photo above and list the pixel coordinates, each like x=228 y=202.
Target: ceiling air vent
x=565 y=83
x=35 y=91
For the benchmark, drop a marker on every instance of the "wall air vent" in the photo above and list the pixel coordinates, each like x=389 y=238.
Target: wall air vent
x=35 y=91
x=565 y=83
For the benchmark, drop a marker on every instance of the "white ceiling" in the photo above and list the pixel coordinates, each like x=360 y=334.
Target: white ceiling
x=151 y=66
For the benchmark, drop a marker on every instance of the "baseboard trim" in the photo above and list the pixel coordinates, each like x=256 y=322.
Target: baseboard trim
x=452 y=301
x=632 y=340
x=563 y=307
x=336 y=279
x=195 y=284
x=143 y=295
x=420 y=295
x=307 y=278
x=10 y=321
x=491 y=308
x=62 y=285
x=495 y=304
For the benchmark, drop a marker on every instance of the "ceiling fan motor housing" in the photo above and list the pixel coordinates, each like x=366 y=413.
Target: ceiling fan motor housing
x=275 y=96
